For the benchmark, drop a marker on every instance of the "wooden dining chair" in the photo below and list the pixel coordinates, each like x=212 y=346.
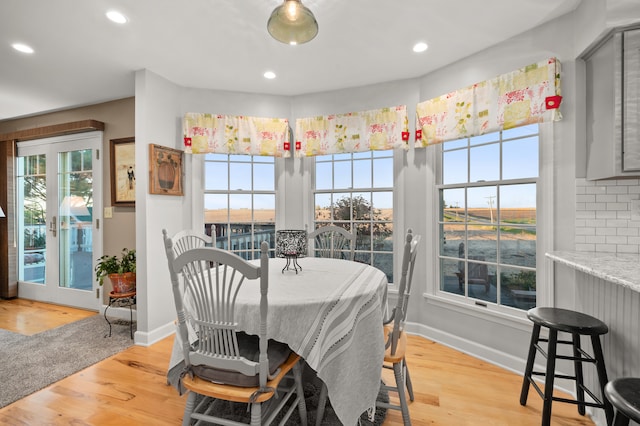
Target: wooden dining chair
x=189 y=239
x=332 y=241
x=225 y=363
x=395 y=337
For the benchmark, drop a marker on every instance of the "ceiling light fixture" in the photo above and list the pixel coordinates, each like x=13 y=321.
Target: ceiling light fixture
x=20 y=47
x=270 y=75
x=292 y=23
x=117 y=17
x=420 y=47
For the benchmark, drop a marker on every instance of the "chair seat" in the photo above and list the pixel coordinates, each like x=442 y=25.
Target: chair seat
x=401 y=350
x=567 y=321
x=624 y=394
x=249 y=346
x=237 y=393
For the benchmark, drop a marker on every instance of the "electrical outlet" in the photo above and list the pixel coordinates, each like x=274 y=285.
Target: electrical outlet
x=108 y=212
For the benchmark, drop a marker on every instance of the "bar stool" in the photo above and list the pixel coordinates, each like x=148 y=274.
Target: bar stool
x=577 y=324
x=624 y=394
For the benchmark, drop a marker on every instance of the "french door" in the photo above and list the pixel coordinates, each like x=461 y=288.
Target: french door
x=59 y=200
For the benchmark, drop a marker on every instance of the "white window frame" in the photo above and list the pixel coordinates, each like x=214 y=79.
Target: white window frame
x=398 y=157
x=544 y=267
x=201 y=219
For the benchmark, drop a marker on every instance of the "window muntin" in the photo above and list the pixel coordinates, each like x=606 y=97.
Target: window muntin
x=355 y=191
x=487 y=218
x=240 y=201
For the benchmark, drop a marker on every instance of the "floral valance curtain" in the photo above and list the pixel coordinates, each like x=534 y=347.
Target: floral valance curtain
x=236 y=134
x=528 y=95
x=379 y=129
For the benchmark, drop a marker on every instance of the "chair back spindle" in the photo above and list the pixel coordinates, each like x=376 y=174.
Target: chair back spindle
x=332 y=241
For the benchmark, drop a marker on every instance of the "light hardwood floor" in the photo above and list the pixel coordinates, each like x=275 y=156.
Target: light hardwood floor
x=451 y=388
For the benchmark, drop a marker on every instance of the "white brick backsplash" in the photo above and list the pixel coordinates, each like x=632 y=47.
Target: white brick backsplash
x=585 y=231
x=611 y=239
x=607 y=231
x=606 y=198
x=606 y=248
x=618 y=206
x=617 y=190
x=604 y=221
x=587 y=214
x=598 y=239
x=629 y=232
x=590 y=198
x=617 y=223
x=594 y=223
x=595 y=190
x=628 y=248
x=605 y=215
x=596 y=206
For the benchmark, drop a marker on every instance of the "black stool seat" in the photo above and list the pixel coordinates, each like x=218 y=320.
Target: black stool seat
x=576 y=324
x=624 y=394
x=568 y=321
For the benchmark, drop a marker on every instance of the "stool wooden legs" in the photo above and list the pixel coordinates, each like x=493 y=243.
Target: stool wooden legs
x=602 y=377
x=579 y=356
x=524 y=393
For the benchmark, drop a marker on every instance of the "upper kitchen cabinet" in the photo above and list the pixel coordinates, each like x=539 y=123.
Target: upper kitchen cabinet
x=613 y=105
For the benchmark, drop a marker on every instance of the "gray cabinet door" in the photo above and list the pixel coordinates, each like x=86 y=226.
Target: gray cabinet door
x=631 y=101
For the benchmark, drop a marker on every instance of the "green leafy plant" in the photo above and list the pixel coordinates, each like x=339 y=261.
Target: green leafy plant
x=113 y=265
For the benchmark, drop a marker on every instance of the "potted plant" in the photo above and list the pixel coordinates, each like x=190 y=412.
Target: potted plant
x=121 y=271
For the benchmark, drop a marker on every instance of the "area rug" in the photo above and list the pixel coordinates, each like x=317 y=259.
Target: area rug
x=30 y=363
x=238 y=412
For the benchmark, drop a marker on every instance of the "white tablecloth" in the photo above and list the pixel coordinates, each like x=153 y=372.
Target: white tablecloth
x=331 y=314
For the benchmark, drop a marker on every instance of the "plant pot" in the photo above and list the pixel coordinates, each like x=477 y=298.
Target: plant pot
x=123 y=283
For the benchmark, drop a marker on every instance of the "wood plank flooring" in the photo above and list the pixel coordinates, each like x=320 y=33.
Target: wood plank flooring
x=28 y=317
x=451 y=389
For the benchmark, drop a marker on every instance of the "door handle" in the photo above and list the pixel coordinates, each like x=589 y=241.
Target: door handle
x=53 y=226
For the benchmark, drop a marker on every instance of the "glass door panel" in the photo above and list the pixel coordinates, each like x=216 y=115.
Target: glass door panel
x=75 y=189
x=32 y=247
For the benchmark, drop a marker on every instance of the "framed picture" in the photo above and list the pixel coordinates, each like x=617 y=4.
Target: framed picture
x=123 y=172
x=165 y=170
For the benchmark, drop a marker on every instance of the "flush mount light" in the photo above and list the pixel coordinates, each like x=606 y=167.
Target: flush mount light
x=269 y=75
x=292 y=23
x=117 y=17
x=20 y=47
x=420 y=47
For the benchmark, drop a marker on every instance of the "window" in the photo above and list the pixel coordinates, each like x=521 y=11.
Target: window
x=355 y=191
x=239 y=201
x=487 y=218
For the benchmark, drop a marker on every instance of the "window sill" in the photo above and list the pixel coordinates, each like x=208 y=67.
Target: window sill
x=515 y=319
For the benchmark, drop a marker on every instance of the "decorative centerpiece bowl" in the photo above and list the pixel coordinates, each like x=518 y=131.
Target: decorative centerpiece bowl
x=291 y=244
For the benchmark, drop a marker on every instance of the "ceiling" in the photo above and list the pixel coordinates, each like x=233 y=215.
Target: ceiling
x=82 y=58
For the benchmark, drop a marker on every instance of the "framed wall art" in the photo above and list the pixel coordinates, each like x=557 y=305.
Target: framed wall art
x=123 y=172
x=165 y=170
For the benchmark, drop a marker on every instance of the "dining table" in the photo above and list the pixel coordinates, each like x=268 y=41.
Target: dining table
x=330 y=313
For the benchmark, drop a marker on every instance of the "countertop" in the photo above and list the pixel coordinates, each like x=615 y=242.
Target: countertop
x=622 y=269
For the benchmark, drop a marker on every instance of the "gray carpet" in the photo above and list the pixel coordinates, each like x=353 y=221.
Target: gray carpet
x=30 y=363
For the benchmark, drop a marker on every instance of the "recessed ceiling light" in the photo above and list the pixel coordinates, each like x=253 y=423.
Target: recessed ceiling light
x=20 y=47
x=116 y=17
x=270 y=75
x=420 y=47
